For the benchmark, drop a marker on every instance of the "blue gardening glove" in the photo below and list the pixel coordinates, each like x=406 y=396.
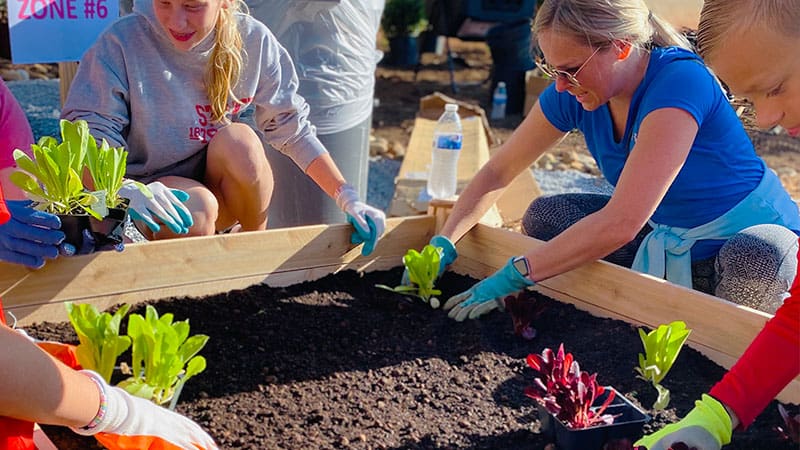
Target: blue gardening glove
x=157 y=200
x=487 y=294
x=29 y=236
x=447 y=253
x=706 y=427
x=369 y=222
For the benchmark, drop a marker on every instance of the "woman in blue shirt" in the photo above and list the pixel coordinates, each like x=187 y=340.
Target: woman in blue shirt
x=691 y=196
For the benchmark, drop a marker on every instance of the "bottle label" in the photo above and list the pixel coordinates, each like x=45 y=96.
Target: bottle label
x=447 y=141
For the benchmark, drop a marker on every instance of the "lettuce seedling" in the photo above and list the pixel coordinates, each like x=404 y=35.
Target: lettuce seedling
x=423 y=269
x=566 y=391
x=53 y=178
x=106 y=166
x=661 y=347
x=164 y=357
x=100 y=341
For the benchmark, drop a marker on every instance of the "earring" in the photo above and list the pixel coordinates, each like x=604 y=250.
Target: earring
x=624 y=52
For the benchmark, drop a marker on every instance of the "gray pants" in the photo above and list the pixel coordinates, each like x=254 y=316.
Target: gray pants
x=754 y=268
x=297 y=200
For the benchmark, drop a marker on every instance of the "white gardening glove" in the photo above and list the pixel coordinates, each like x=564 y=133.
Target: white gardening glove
x=157 y=200
x=135 y=423
x=369 y=222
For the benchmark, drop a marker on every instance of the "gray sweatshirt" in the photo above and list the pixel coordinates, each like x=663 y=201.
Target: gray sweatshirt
x=135 y=89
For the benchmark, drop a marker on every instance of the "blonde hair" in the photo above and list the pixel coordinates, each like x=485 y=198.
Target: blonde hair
x=225 y=64
x=599 y=22
x=718 y=18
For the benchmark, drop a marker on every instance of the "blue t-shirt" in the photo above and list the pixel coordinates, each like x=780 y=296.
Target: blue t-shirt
x=722 y=167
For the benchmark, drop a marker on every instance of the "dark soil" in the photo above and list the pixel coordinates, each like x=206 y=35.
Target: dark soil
x=337 y=363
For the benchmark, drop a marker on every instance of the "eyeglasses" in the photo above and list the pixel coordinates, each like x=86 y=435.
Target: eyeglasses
x=571 y=77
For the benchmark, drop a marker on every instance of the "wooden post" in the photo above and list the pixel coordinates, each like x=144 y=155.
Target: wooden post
x=440 y=210
x=66 y=72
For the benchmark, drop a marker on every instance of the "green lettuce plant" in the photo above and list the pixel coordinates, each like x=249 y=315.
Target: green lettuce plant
x=164 y=356
x=661 y=347
x=423 y=269
x=52 y=178
x=100 y=341
x=106 y=166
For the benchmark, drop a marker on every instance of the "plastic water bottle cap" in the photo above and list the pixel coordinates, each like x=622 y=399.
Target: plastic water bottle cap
x=451 y=107
x=501 y=84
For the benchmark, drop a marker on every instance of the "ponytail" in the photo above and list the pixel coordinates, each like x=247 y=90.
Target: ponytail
x=225 y=64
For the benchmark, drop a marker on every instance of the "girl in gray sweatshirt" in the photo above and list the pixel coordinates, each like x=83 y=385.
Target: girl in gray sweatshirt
x=190 y=88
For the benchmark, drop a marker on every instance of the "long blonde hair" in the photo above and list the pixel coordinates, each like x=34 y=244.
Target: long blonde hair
x=225 y=64
x=599 y=22
x=718 y=18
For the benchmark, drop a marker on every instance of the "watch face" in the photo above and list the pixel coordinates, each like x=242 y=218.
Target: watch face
x=521 y=264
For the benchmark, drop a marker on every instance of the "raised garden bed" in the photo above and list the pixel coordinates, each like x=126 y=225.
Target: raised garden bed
x=338 y=363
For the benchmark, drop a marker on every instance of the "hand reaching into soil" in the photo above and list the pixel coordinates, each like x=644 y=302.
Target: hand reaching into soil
x=486 y=295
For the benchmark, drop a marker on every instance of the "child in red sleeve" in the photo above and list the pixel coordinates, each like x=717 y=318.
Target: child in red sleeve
x=760 y=60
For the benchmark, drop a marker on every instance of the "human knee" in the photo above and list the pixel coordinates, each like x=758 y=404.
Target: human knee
x=756 y=267
x=236 y=152
x=548 y=216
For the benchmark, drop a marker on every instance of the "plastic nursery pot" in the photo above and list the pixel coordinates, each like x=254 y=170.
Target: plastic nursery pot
x=111 y=230
x=627 y=424
x=73 y=225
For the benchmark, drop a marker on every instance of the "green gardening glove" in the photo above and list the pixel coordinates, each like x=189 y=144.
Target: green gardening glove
x=706 y=427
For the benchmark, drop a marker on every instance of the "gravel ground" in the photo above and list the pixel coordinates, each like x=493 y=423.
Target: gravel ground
x=40 y=101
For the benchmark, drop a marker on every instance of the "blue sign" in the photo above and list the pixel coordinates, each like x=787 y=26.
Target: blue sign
x=50 y=31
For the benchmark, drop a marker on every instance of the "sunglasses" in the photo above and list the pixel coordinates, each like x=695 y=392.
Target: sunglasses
x=571 y=77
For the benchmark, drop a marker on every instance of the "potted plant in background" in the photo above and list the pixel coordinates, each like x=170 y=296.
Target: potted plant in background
x=577 y=412
x=402 y=22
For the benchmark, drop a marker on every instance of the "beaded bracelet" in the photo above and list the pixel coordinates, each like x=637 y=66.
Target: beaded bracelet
x=102 y=409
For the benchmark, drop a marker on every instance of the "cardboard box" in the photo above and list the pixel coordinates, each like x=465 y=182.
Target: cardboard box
x=535 y=83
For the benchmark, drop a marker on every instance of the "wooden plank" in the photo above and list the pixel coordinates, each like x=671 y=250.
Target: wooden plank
x=721 y=329
x=417 y=161
x=66 y=72
x=201 y=266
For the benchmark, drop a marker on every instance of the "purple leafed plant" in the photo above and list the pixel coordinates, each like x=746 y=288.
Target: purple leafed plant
x=791 y=425
x=524 y=308
x=566 y=391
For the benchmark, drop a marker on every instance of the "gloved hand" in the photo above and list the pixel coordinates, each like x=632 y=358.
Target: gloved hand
x=487 y=294
x=157 y=200
x=706 y=427
x=447 y=253
x=29 y=236
x=135 y=423
x=369 y=222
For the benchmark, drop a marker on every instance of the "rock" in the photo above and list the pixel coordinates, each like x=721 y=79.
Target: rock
x=378 y=146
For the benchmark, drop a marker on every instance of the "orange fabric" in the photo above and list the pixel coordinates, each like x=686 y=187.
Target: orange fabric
x=65 y=353
x=119 y=442
x=16 y=434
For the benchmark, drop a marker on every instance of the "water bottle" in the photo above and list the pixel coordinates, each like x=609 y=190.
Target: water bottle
x=499 y=100
x=447 y=136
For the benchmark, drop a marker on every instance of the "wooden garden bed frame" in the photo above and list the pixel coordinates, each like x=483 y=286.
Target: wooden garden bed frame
x=209 y=265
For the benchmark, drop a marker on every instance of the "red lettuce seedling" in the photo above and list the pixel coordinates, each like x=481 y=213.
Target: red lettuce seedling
x=566 y=391
x=524 y=308
x=791 y=428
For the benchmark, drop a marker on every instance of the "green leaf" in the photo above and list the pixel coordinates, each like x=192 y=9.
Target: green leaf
x=662 y=347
